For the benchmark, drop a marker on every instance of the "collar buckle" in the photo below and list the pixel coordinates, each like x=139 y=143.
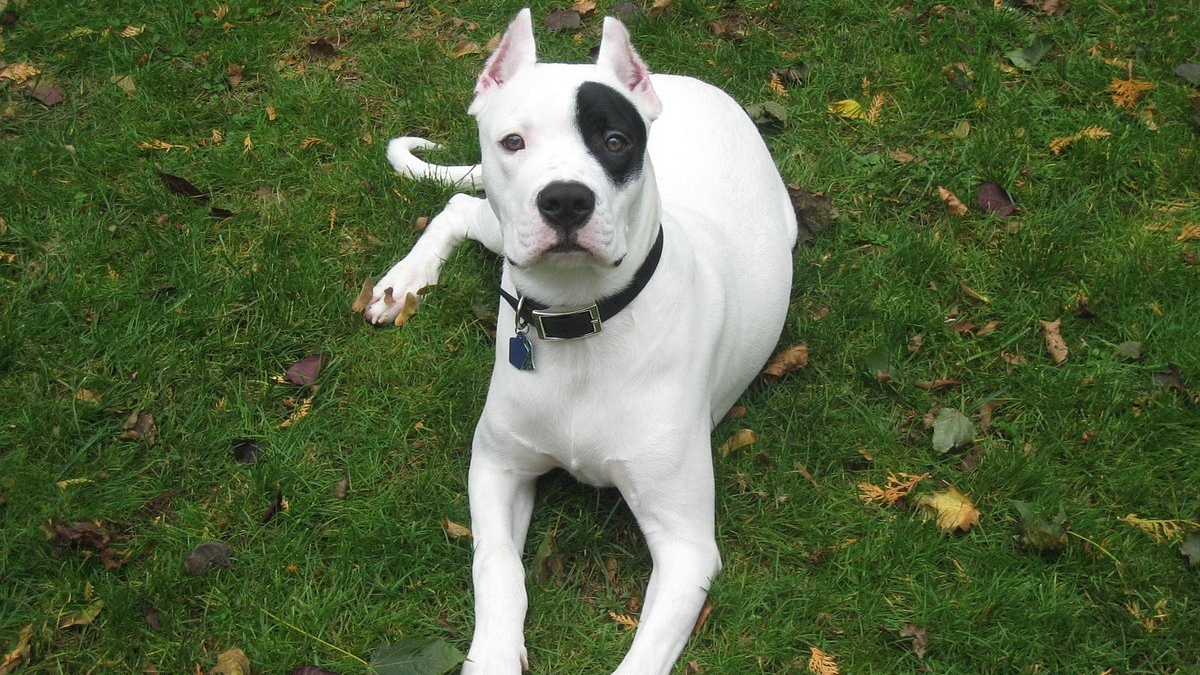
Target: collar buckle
x=580 y=323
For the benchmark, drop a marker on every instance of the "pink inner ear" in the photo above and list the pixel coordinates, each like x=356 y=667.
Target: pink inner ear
x=515 y=51
x=619 y=56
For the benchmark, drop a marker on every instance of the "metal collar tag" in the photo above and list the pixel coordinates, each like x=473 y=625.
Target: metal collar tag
x=567 y=325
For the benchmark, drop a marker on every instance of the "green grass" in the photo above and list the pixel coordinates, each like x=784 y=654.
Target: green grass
x=120 y=288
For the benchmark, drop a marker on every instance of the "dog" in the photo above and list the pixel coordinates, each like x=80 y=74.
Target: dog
x=647 y=242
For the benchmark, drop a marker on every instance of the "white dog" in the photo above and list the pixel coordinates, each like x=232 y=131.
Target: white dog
x=646 y=280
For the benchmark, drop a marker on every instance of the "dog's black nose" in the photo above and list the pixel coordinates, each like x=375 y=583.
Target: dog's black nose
x=566 y=205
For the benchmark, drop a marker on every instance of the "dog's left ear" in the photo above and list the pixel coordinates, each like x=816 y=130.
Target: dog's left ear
x=618 y=56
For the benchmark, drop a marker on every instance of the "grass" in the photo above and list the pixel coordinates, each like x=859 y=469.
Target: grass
x=121 y=296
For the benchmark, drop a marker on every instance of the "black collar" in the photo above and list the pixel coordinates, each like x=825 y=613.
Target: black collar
x=586 y=321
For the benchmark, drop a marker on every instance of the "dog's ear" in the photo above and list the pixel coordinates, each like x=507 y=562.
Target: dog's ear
x=515 y=52
x=618 y=57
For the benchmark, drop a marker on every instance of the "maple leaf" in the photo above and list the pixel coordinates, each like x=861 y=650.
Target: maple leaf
x=821 y=663
x=1125 y=93
x=952 y=509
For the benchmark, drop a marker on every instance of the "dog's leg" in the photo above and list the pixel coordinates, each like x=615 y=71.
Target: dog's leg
x=677 y=519
x=501 y=503
x=398 y=292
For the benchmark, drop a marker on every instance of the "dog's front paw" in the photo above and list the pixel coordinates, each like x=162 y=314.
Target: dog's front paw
x=495 y=664
x=395 y=297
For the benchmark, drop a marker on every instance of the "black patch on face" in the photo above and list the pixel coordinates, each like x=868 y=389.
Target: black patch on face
x=601 y=112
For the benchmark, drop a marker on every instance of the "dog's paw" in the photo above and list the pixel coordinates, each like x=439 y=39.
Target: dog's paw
x=394 y=299
x=484 y=665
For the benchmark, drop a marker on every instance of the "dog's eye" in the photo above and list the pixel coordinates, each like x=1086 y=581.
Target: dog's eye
x=616 y=143
x=512 y=143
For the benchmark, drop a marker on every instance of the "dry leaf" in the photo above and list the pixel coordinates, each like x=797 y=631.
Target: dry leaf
x=953 y=510
x=1191 y=232
x=411 y=300
x=87 y=396
x=364 y=297
x=1054 y=340
x=795 y=356
x=1161 y=531
x=155 y=144
x=821 y=663
x=584 y=7
x=125 y=82
x=18 y=72
x=705 y=611
x=132 y=31
x=48 y=95
x=877 y=102
x=19 y=654
x=895 y=490
x=464 y=48
x=234 y=72
x=311 y=141
x=231 y=662
x=140 y=427
x=206 y=555
x=624 y=620
x=849 y=109
x=920 y=641
x=953 y=204
x=740 y=439
x=456 y=531
x=247 y=144
x=1057 y=145
x=1125 y=93
x=776 y=84
x=84 y=616
x=298 y=414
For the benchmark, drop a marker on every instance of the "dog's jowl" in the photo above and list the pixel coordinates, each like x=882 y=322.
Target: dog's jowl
x=646 y=238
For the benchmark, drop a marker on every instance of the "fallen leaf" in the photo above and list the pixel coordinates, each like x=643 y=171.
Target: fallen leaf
x=1057 y=145
x=278 y=503
x=140 y=427
x=1161 y=531
x=767 y=113
x=19 y=654
x=84 y=534
x=658 y=6
x=879 y=364
x=1028 y=57
x=1129 y=350
x=234 y=73
x=791 y=358
x=991 y=198
x=299 y=413
x=1190 y=232
x=624 y=620
x=87 y=396
x=952 y=509
x=938 y=384
x=456 y=531
x=321 y=49
x=1055 y=344
x=584 y=7
x=1170 y=377
x=625 y=11
x=364 y=297
x=1125 y=93
x=132 y=31
x=821 y=663
x=182 y=186
x=702 y=619
x=848 y=109
x=1189 y=72
x=920 y=639
x=1036 y=532
x=740 y=439
x=563 y=19
x=952 y=430
x=411 y=300
x=18 y=72
x=205 y=556
x=84 y=616
x=231 y=662
x=961 y=130
x=464 y=48
x=151 y=613
x=897 y=488
x=125 y=82
x=342 y=487
x=1190 y=549
x=48 y=95
x=954 y=205
x=415 y=656
x=304 y=372
x=814 y=212
x=246 y=450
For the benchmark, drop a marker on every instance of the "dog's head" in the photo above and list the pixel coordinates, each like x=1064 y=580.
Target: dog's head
x=564 y=150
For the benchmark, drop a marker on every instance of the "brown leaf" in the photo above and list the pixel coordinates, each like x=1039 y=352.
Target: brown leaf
x=411 y=300
x=48 y=95
x=182 y=186
x=18 y=72
x=954 y=205
x=703 y=618
x=1125 y=93
x=205 y=556
x=231 y=662
x=140 y=427
x=920 y=641
x=342 y=487
x=791 y=358
x=84 y=534
x=464 y=48
x=740 y=439
x=19 y=654
x=991 y=198
x=364 y=297
x=234 y=72
x=84 y=616
x=814 y=211
x=304 y=372
x=456 y=531
x=624 y=620
x=321 y=49
x=895 y=490
x=563 y=19
x=584 y=7
x=938 y=384
x=278 y=503
x=952 y=509
x=821 y=663
x=246 y=450
x=151 y=614
x=1054 y=340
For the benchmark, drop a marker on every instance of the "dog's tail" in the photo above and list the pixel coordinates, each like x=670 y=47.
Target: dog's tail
x=400 y=154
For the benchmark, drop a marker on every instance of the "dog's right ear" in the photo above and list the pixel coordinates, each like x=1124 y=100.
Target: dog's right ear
x=515 y=52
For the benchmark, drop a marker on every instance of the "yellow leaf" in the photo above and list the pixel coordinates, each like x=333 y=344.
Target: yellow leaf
x=740 y=439
x=231 y=662
x=155 y=144
x=84 y=616
x=271 y=114
x=64 y=484
x=464 y=48
x=220 y=12
x=247 y=144
x=895 y=490
x=19 y=654
x=300 y=413
x=1191 y=232
x=776 y=84
x=132 y=31
x=454 y=530
x=953 y=510
x=624 y=620
x=18 y=72
x=125 y=82
x=821 y=663
x=795 y=356
x=848 y=108
x=1125 y=93
x=953 y=204
x=87 y=396
x=1161 y=531
x=218 y=136
x=311 y=141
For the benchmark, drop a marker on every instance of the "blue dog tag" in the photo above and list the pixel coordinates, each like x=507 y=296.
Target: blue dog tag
x=520 y=352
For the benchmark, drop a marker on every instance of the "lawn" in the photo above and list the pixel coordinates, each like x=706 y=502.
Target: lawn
x=192 y=193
